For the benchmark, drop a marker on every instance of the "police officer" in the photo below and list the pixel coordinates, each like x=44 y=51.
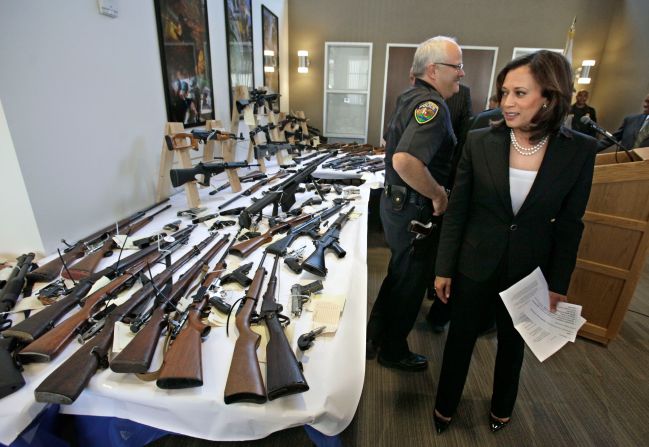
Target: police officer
x=419 y=148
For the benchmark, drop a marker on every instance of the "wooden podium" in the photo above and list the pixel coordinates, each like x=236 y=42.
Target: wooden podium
x=614 y=244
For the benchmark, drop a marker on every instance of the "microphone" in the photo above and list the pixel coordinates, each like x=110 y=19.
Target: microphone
x=586 y=120
x=589 y=122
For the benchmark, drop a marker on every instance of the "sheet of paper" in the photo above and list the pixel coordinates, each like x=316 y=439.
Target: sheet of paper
x=544 y=332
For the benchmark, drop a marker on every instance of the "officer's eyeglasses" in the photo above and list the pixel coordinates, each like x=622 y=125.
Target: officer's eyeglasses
x=458 y=67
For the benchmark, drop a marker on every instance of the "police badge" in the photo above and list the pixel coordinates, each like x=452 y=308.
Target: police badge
x=425 y=112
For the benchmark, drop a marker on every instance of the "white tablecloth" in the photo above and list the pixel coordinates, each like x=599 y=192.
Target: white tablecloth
x=334 y=367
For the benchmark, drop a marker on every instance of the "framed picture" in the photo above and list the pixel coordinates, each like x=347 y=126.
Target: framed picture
x=270 y=30
x=238 y=29
x=185 y=56
x=523 y=51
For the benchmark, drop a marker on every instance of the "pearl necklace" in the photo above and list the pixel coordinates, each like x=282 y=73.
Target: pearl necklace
x=526 y=151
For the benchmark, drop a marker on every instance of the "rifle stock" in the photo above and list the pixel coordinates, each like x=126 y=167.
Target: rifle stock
x=315 y=263
x=283 y=374
x=183 y=363
x=65 y=383
x=136 y=357
x=243 y=249
x=49 y=271
x=88 y=264
x=11 y=378
x=245 y=383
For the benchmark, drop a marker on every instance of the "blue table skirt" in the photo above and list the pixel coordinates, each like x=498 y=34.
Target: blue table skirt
x=44 y=431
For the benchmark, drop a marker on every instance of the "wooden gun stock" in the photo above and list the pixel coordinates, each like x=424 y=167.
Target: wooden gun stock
x=36 y=325
x=52 y=269
x=245 y=383
x=48 y=346
x=64 y=385
x=183 y=363
x=88 y=264
x=243 y=249
x=283 y=373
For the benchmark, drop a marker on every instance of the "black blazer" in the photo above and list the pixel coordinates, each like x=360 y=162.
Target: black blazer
x=629 y=129
x=480 y=227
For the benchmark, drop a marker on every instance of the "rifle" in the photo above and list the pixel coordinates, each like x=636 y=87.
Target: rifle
x=283 y=373
x=207 y=170
x=11 y=378
x=137 y=355
x=243 y=249
x=271 y=148
x=64 y=385
x=309 y=227
x=88 y=264
x=49 y=271
x=289 y=186
x=50 y=344
x=316 y=262
x=274 y=197
x=206 y=135
x=244 y=383
x=36 y=325
x=254 y=188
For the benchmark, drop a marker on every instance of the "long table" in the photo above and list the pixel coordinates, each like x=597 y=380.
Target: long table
x=334 y=367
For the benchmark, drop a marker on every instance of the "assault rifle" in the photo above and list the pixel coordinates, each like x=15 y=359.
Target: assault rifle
x=244 y=248
x=137 y=355
x=11 y=378
x=251 y=177
x=207 y=170
x=244 y=383
x=36 y=325
x=48 y=272
x=309 y=227
x=64 y=385
x=316 y=262
x=283 y=373
x=254 y=188
x=207 y=135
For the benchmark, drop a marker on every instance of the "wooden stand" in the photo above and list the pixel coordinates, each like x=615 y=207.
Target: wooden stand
x=282 y=159
x=614 y=244
x=182 y=143
x=208 y=147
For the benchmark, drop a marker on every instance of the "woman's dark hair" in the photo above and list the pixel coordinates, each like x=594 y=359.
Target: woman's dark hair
x=553 y=73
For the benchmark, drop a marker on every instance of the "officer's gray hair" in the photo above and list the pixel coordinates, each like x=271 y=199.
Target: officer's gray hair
x=428 y=52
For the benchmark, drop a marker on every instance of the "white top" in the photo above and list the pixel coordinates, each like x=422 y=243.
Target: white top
x=520 y=183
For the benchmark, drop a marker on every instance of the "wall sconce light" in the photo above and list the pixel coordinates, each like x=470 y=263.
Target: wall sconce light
x=303 y=61
x=269 y=61
x=584 y=72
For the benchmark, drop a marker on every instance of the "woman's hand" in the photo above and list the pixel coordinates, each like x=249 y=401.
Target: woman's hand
x=443 y=288
x=554 y=299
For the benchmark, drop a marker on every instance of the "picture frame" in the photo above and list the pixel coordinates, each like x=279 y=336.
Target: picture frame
x=270 y=33
x=184 y=42
x=238 y=32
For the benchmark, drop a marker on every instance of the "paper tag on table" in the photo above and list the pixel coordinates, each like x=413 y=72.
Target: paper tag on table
x=327 y=310
x=528 y=305
x=249 y=116
x=122 y=335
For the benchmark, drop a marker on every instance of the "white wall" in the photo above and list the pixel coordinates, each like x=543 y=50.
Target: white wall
x=84 y=101
x=18 y=225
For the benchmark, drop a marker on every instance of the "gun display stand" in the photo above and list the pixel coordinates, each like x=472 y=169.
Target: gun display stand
x=176 y=140
x=276 y=135
x=240 y=92
x=208 y=147
x=228 y=152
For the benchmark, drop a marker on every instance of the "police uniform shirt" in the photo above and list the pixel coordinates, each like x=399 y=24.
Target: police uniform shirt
x=421 y=126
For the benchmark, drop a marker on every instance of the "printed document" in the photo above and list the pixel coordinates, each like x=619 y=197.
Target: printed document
x=544 y=332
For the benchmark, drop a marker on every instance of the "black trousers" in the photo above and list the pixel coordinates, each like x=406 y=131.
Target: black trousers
x=471 y=302
x=411 y=267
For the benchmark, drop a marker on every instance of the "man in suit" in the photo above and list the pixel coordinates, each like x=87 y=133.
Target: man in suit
x=418 y=151
x=634 y=131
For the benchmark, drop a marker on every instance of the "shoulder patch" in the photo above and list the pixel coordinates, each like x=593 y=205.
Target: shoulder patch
x=426 y=112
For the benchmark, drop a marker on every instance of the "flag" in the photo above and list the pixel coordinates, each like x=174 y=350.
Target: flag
x=567 y=50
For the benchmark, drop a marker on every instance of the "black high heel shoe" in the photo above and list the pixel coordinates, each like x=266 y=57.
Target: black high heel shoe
x=440 y=424
x=496 y=424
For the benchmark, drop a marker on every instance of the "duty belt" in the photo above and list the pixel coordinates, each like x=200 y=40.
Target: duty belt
x=409 y=195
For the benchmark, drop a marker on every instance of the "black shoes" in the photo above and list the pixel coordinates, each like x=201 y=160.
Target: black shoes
x=371 y=349
x=440 y=424
x=496 y=424
x=412 y=362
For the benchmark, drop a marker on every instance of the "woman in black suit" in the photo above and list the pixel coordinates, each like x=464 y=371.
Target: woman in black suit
x=520 y=193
